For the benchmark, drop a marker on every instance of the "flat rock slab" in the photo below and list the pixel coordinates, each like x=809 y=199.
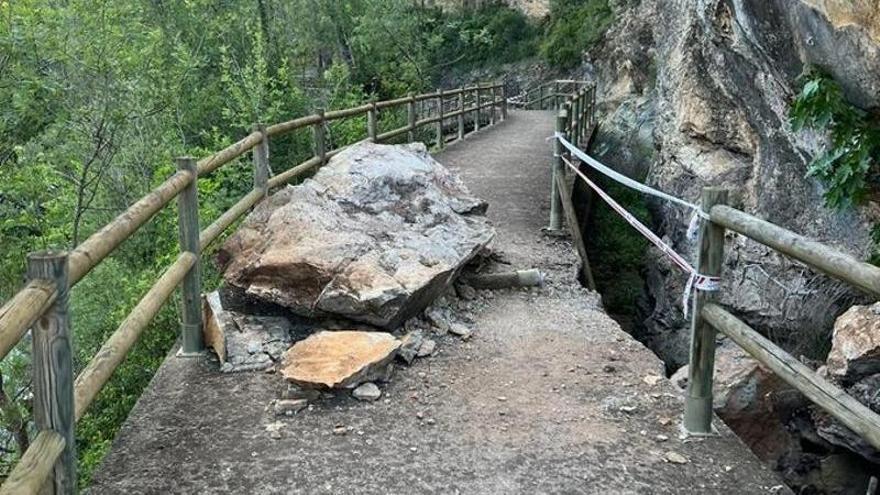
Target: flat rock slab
x=375 y=236
x=565 y=426
x=339 y=359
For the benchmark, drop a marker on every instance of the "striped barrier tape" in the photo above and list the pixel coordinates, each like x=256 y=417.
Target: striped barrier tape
x=696 y=280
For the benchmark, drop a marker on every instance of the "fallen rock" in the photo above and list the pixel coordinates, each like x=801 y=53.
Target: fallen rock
x=427 y=348
x=244 y=342
x=855 y=344
x=439 y=317
x=367 y=392
x=294 y=391
x=752 y=400
x=460 y=330
x=339 y=359
x=410 y=345
x=289 y=407
x=375 y=236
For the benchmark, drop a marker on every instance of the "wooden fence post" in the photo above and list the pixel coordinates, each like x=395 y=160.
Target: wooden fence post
x=52 y=363
x=503 y=102
x=372 y=128
x=575 y=119
x=698 y=405
x=477 y=108
x=541 y=97
x=261 y=160
x=440 y=141
x=411 y=117
x=320 y=138
x=558 y=169
x=556 y=95
x=461 y=101
x=191 y=288
x=492 y=105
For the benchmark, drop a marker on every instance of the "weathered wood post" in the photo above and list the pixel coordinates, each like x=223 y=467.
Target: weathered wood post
x=261 y=160
x=558 y=170
x=440 y=141
x=477 y=108
x=52 y=363
x=372 y=128
x=698 y=405
x=320 y=137
x=461 y=113
x=575 y=119
x=541 y=97
x=191 y=288
x=556 y=94
x=411 y=117
x=503 y=102
x=492 y=105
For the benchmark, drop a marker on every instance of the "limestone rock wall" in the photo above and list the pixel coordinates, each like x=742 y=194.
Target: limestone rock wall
x=711 y=82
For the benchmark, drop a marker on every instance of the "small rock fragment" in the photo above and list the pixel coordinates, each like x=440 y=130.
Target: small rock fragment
x=651 y=379
x=427 y=348
x=294 y=391
x=367 y=392
x=609 y=368
x=340 y=430
x=628 y=409
x=661 y=438
x=410 y=345
x=289 y=407
x=460 y=330
x=675 y=458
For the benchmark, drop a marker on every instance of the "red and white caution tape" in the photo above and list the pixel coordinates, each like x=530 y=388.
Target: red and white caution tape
x=696 y=281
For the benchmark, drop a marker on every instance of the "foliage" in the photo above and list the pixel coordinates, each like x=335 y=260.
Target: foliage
x=574 y=26
x=848 y=165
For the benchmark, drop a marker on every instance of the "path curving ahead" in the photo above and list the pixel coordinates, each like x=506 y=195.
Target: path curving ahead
x=550 y=395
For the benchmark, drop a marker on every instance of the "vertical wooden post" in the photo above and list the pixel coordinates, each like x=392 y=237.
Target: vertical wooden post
x=320 y=137
x=556 y=95
x=261 y=161
x=575 y=119
x=698 y=405
x=411 y=117
x=492 y=105
x=461 y=113
x=541 y=97
x=372 y=129
x=477 y=108
x=52 y=363
x=558 y=169
x=503 y=102
x=191 y=288
x=440 y=142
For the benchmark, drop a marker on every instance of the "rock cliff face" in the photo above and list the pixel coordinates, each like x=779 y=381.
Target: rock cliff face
x=708 y=85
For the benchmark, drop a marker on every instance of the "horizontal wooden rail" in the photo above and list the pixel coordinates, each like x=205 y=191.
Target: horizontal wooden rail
x=231 y=152
x=392 y=133
x=35 y=465
x=292 y=125
x=101 y=367
x=213 y=231
x=815 y=254
x=852 y=413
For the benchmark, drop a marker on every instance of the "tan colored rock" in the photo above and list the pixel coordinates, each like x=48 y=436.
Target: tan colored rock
x=863 y=14
x=339 y=359
x=855 y=344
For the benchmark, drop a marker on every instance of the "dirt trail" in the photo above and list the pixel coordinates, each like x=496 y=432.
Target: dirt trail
x=550 y=395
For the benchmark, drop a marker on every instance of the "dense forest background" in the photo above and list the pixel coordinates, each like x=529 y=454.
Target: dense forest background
x=98 y=97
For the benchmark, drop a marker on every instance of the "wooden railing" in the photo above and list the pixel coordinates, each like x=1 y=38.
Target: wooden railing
x=42 y=305
x=551 y=94
x=708 y=316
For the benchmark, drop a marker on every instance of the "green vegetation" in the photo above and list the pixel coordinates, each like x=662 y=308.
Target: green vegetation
x=573 y=27
x=100 y=96
x=616 y=250
x=848 y=165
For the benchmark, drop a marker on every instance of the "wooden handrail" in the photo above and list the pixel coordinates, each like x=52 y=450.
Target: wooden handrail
x=863 y=275
x=852 y=413
x=35 y=465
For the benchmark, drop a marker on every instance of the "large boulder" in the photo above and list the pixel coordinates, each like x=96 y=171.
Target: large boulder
x=855 y=344
x=374 y=236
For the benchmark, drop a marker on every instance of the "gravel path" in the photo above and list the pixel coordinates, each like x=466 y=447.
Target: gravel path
x=549 y=396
